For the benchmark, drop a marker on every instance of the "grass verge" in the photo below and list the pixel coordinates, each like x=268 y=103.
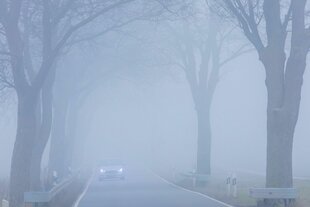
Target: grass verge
x=216 y=188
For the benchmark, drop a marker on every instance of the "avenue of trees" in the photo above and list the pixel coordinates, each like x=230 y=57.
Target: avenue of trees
x=36 y=37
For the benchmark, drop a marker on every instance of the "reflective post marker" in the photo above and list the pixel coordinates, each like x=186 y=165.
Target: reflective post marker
x=234 y=185
x=228 y=184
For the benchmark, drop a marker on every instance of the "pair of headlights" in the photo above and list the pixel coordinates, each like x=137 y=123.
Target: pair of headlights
x=103 y=171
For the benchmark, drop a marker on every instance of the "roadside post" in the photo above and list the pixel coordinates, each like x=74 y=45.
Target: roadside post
x=234 y=185
x=5 y=203
x=55 y=178
x=228 y=185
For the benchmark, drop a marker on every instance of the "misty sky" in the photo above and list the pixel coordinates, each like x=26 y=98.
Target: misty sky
x=153 y=119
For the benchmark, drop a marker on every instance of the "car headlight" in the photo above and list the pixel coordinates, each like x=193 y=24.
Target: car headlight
x=120 y=170
x=102 y=170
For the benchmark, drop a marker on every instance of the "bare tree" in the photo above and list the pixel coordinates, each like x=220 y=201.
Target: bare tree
x=282 y=48
x=202 y=74
x=199 y=43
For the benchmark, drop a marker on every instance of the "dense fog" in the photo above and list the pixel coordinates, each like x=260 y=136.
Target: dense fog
x=150 y=118
x=155 y=93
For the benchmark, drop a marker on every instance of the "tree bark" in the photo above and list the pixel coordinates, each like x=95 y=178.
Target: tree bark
x=43 y=133
x=284 y=84
x=204 y=139
x=22 y=153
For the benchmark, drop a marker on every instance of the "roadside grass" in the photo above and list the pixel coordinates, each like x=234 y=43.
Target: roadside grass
x=216 y=188
x=304 y=190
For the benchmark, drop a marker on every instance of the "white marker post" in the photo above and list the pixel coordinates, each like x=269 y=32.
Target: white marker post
x=234 y=185
x=5 y=203
x=55 y=178
x=228 y=184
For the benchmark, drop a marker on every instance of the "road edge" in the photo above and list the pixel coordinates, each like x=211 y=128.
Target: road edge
x=191 y=191
x=77 y=202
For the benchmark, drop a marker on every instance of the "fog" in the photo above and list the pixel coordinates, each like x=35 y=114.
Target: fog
x=203 y=90
x=152 y=121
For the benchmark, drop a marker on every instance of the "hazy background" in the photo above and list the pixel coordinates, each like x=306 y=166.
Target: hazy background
x=149 y=116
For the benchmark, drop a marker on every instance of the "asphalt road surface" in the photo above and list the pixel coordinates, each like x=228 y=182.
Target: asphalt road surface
x=141 y=188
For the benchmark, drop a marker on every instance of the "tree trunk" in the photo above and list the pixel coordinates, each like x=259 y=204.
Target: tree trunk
x=44 y=131
x=284 y=86
x=42 y=139
x=204 y=139
x=22 y=153
x=280 y=132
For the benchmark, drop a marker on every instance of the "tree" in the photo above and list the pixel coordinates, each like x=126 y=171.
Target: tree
x=283 y=50
x=198 y=44
x=200 y=62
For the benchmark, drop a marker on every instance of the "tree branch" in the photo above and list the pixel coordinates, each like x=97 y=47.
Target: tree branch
x=247 y=23
x=242 y=50
x=84 y=22
x=103 y=32
x=46 y=64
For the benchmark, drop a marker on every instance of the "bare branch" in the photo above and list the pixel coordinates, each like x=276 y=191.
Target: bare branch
x=46 y=64
x=84 y=22
x=103 y=32
x=242 y=50
x=247 y=22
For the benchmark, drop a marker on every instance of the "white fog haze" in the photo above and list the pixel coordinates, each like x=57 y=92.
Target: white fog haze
x=154 y=103
x=130 y=113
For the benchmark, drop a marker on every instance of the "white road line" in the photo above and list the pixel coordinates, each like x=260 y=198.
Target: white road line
x=194 y=192
x=84 y=192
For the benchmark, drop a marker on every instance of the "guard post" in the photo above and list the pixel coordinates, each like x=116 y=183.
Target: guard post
x=234 y=185
x=228 y=185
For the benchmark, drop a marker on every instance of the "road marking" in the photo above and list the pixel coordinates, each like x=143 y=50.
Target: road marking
x=191 y=191
x=84 y=192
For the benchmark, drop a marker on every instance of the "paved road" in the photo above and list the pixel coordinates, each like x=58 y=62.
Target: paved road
x=141 y=189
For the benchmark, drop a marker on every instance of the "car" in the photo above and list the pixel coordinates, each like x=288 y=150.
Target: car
x=111 y=169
